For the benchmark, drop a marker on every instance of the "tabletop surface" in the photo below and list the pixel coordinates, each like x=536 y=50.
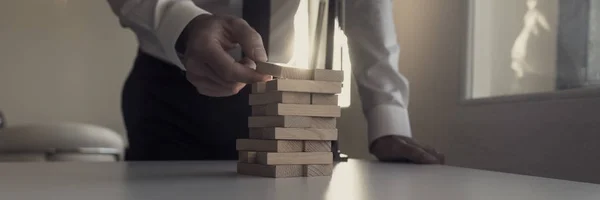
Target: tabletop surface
x=218 y=180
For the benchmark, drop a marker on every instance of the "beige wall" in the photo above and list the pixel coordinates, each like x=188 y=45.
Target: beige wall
x=62 y=62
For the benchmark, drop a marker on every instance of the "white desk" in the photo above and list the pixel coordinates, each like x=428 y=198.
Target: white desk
x=218 y=180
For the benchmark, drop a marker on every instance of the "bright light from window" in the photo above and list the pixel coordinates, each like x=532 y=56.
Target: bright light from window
x=302 y=49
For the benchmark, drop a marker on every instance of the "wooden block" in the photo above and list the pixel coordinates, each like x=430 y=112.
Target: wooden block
x=309 y=86
x=297 y=158
x=268 y=145
x=284 y=71
x=259 y=87
x=317 y=170
x=328 y=75
x=280 y=97
x=324 y=99
x=302 y=110
x=323 y=122
x=317 y=146
x=274 y=171
x=290 y=122
x=247 y=156
x=276 y=133
x=259 y=110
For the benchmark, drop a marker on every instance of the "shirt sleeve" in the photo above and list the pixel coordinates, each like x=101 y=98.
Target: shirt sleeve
x=374 y=54
x=157 y=23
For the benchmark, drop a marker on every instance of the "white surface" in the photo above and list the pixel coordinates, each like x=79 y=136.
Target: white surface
x=218 y=180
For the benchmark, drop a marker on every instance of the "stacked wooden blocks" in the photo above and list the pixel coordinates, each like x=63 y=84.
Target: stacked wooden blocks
x=293 y=123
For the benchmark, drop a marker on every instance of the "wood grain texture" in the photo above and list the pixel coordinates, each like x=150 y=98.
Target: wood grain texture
x=279 y=97
x=328 y=75
x=290 y=122
x=284 y=71
x=274 y=171
x=247 y=156
x=324 y=99
x=259 y=110
x=269 y=145
x=316 y=146
x=289 y=85
x=317 y=170
x=323 y=122
x=259 y=87
x=296 y=158
x=301 y=110
x=277 y=133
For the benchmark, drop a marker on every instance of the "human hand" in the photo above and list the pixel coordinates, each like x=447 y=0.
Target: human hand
x=209 y=66
x=395 y=148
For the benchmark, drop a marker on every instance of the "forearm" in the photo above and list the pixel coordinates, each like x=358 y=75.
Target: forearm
x=157 y=23
x=374 y=52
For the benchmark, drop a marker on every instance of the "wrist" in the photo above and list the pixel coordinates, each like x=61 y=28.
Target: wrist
x=182 y=41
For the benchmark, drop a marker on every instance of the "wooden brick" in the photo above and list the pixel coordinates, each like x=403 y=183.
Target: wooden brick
x=259 y=87
x=288 y=85
x=284 y=71
x=323 y=122
x=296 y=158
x=276 y=133
x=302 y=110
x=247 y=156
x=268 y=145
x=317 y=170
x=274 y=171
x=328 y=75
x=317 y=146
x=324 y=99
x=259 y=110
x=290 y=122
x=280 y=97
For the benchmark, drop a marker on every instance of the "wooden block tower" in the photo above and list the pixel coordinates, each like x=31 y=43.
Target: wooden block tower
x=293 y=123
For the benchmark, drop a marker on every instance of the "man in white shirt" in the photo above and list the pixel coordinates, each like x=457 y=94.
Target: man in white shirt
x=186 y=97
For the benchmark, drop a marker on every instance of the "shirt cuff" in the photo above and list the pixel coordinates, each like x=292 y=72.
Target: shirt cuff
x=173 y=21
x=384 y=120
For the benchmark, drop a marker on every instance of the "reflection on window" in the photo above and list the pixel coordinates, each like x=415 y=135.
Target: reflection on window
x=533 y=46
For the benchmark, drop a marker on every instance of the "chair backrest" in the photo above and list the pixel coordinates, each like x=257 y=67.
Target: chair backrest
x=60 y=142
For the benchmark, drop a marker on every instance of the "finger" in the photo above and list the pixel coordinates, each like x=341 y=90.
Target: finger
x=427 y=148
x=249 y=39
x=227 y=68
x=415 y=153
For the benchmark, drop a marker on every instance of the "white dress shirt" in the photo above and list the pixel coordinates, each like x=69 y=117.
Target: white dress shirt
x=369 y=26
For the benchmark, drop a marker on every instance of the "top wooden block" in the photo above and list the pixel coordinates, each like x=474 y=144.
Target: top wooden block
x=307 y=86
x=288 y=72
x=283 y=71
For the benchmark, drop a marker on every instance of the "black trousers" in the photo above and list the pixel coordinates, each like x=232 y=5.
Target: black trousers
x=167 y=119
